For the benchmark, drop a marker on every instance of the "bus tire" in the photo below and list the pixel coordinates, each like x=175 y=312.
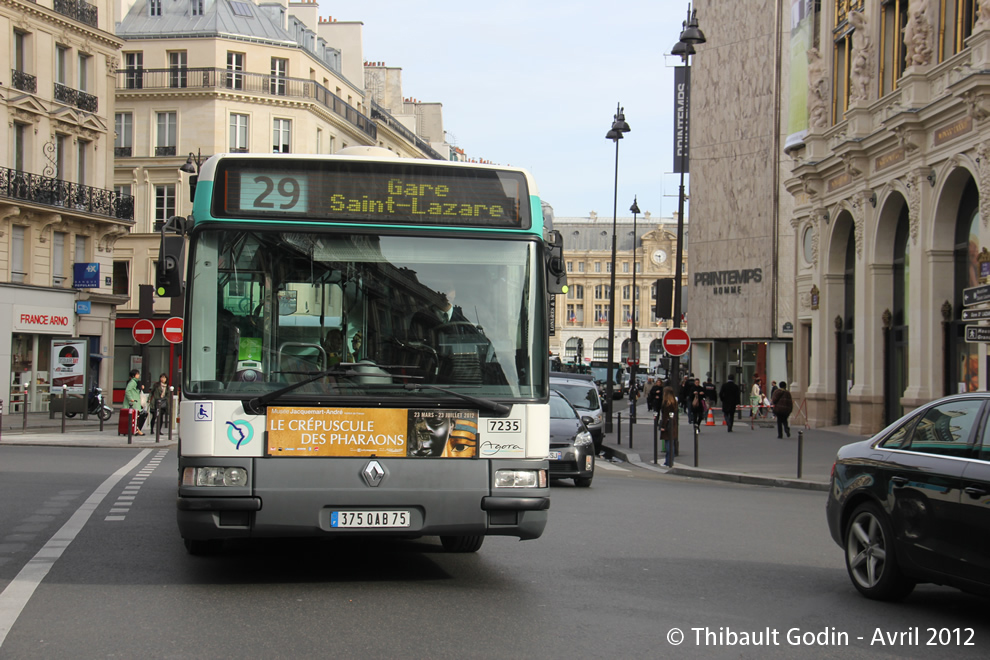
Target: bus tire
x=203 y=547
x=462 y=543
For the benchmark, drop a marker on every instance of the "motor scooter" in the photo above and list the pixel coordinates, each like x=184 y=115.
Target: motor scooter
x=97 y=406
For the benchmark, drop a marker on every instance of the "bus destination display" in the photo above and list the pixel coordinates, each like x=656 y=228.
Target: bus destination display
x=376 y=193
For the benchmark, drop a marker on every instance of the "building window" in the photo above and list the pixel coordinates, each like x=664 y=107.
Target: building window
x=570 y=266
x=842 y=38
x=196 y=8
x=122 y=189
x=580 y=266
x=238 y=132
x=608 y=266
x=60 y=142
x=82 y=146
x=154 y=7
x=164 y=202
x=602 y=292
x=82 y=250
x=598 y=266
x=124 y=134
x=957 y=18
x=20 y=50
x=575 y=292
x=601 y=314
x=166 y=138
x=84 y=63
x=61 y=64
x=133 y=70
x=625 y=266
x=177 y=68
x=121 y=278
x=20 y=145
x=58 y=258
x=17 y=244
x=893 y=54
x=281 y=136
x=280 y=69
x=235 y=62
x=319 y=140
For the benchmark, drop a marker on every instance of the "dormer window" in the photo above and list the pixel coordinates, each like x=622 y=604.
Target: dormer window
x=241 y=8
x=196 y=7
x=154 y=7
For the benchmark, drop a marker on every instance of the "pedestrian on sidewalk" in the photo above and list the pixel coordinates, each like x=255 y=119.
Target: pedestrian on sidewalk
x=668 y=425
x=729 y=394
x=159 y=403
x=654 y=397
x=755 y=397
x=783 y=404
x=132 y=397
x=711 y=392
x=698 y=407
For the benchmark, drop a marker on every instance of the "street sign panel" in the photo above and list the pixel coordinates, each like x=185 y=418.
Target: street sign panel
x=977 y=333
x=172 y=330
x=976 y=294
x=975 y=314
x=143 y=331
x=676 y=342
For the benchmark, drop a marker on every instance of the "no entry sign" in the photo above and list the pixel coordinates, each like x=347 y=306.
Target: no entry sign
x=143 y=331
x=172 y=330
x=676 y=342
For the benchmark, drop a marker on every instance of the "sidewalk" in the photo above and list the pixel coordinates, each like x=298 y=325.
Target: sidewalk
x=747 y=455
x=78 y=432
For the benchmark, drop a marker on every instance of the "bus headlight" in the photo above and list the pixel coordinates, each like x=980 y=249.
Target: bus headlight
x=520 y=478
x=214 y=476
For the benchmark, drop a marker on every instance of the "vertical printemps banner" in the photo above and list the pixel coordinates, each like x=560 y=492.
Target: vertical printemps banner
x=682 y=118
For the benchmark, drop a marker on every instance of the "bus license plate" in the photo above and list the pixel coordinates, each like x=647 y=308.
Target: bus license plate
x=369 y=519
x=555 y=455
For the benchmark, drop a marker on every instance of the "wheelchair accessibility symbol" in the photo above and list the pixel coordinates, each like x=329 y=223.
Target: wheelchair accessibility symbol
x=239 y=433
x=204 y=412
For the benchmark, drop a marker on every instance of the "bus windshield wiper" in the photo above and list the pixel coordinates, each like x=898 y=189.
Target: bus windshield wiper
x=486 y=404
x=257 y=405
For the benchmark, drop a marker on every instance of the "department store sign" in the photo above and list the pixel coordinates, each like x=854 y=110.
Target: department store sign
x=729 y=282
x=45 y=320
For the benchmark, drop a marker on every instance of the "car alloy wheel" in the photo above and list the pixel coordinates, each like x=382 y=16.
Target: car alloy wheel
x=870 y=555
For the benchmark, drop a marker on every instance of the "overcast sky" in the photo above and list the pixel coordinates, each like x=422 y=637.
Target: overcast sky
x=535 y=84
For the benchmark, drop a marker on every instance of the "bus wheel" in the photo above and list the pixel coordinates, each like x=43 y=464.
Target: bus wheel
x=462 y=543
x=203 y=547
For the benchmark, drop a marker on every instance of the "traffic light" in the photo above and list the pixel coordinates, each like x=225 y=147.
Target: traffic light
x=171 y=259
x=665 y=297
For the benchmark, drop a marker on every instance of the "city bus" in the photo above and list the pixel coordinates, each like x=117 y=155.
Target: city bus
x=620 y=379
x=365 y=342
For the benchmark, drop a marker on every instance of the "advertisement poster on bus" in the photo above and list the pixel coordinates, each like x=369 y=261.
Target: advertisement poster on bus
x=366 y=432
x=69 y=359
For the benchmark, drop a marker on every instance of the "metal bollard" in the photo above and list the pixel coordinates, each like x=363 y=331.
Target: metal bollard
x=1 y=419
x=697 y=432
x=632 y=423
x=618 y=428
x=24 y=409
x=800 y=452
x=171 y=398
x=65 y=389
x=656 y=434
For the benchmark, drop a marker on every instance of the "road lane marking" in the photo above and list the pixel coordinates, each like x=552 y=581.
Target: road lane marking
x=15 y=597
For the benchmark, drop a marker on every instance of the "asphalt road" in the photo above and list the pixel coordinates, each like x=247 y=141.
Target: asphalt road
x=621 y=566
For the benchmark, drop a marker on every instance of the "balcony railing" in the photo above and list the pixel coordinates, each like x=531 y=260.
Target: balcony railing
x=165 y=151
x=38 y=189
x=79 y=10
x=81 y=100
x=243 y=82
x=381 y=114
x=23 y=81
x=122 y=152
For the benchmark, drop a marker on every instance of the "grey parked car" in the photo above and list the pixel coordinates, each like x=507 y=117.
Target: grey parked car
x=582 y=393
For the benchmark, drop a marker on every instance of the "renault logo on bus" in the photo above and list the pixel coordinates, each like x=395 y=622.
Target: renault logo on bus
x=373 y=473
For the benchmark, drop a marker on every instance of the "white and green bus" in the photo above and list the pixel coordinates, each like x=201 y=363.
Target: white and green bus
x=365 y=349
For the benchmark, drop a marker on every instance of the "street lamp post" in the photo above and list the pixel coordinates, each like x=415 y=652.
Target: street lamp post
x=691 y=35
x=633 y=332
x=619 y=127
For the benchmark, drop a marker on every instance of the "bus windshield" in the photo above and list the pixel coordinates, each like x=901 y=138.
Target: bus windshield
x=377 y=313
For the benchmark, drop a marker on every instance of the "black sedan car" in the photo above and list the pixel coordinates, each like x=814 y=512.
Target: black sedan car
x=912 y=504
x=572 y=449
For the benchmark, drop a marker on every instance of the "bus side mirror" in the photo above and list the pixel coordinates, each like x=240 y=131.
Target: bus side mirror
x=556 y=272
x=171 y=259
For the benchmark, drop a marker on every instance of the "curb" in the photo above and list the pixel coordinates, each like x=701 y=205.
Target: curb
x=733 y=477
